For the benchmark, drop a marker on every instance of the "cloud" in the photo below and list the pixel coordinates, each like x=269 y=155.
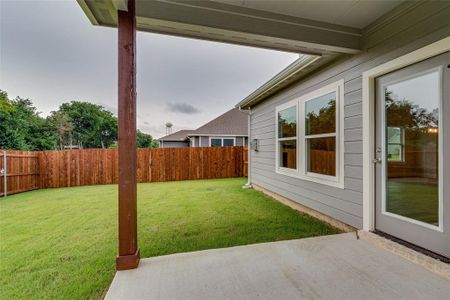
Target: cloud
x=154 y=130
x=182 y=107
x=110 y=108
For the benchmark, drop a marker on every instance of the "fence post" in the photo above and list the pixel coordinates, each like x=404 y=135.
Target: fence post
x=4 y=175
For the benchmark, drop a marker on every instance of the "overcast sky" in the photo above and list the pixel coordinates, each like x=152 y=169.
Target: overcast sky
x=51 y=54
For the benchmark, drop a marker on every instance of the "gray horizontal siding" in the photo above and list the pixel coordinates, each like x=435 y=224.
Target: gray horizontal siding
x=352 y=135
x=408 y=28
x=312 y=203
x=174 y=144
x=204 y=141
x=339 y=194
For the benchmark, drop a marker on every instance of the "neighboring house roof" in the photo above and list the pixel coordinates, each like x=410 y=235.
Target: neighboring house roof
x=178 y=136
x=233 y=122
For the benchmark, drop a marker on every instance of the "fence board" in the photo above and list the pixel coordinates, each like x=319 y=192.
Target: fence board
x=99 y=166
x=22 y=172
x=28 y=170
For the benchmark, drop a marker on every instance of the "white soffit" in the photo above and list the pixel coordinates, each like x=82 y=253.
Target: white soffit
x=352 y=13
x=232 y=23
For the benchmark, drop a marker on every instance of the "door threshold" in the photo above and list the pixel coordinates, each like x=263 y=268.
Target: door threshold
x=437 y=264
x=413 y=247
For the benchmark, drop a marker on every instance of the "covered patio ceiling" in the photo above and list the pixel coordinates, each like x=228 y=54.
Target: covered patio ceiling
x=311 y=27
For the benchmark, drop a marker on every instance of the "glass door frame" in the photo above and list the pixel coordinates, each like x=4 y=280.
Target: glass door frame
x=384 y=159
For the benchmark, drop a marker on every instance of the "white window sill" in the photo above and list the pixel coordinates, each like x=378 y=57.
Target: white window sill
x=312 y=177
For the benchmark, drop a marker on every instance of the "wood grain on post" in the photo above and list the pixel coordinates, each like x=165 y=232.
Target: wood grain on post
x=128 y=257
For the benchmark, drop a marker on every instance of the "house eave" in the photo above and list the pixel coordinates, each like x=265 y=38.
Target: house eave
x=172 y=140
x=221 y=22
x=87 y=10
x=219 y=134
x=278 y=82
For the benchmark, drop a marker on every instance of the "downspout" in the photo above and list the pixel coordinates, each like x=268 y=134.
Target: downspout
x=248 y=185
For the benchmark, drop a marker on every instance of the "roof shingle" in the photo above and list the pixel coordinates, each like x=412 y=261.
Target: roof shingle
x=233 y=122
x=180 y=135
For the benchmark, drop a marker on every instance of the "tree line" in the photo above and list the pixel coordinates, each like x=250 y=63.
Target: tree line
x=75 y=124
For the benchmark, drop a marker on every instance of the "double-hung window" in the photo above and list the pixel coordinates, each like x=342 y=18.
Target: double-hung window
x=320 y=134
x=287 y=137
x=395 y=144
x=314 y=150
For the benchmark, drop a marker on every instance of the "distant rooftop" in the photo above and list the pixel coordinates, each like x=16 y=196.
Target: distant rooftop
x=180 y=135
x=233 y=122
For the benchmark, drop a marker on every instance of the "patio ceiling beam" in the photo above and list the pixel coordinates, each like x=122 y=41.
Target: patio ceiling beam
x=222 y=22
x=230 y=23
x=120 y=4
x=129 y=256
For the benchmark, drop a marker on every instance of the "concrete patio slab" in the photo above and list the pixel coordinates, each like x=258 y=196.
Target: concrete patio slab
x=328 y=267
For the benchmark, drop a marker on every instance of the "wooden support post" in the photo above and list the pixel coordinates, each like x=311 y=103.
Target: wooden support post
x=128 y=257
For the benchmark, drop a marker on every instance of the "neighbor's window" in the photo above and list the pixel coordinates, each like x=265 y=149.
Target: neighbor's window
x=287 y=137
x=395 y=144
x=220 y=142
x=216 y=142
x=228 y=142
x=320 y=134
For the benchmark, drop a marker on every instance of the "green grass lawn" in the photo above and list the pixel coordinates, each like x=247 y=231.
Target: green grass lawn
x=413 y=200
x=62 y=243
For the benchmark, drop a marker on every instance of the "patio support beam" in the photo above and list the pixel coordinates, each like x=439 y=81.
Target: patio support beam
x=219 y=21
x=128 y=257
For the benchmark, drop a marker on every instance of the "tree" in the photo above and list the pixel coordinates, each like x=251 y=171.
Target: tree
x=64 y=128
x=415 y=120
x=324 y=121
x=76 y=123
x=404 y=113
x=21 y=127
x=5 y=103
x=144 y=140
x=93 y=126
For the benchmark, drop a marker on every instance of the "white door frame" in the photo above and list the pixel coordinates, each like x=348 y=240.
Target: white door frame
x=368 y=85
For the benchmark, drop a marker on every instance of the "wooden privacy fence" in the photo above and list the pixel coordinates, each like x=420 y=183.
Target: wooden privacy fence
x=322 y=162
x=54 y=169
x=21 y=171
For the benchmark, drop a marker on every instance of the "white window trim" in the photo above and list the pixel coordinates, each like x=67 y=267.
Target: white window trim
x=301 y=171
x=402 y=146
x=368 y=83
x=222 y=138
x=278 y=169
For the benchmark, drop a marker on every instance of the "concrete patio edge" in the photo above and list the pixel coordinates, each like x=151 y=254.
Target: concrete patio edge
x=412 y=255
x=328 y=267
